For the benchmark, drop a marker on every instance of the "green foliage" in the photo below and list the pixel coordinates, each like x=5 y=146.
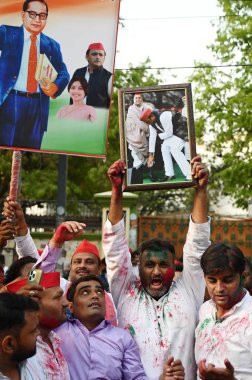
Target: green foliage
x=223 y=98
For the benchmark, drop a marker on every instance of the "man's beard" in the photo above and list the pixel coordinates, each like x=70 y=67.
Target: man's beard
x=156 y=294
x=22 y=355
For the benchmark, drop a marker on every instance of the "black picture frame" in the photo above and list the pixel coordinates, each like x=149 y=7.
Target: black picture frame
x=175 y=142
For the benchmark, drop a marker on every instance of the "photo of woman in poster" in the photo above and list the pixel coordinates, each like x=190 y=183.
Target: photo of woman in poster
x=77 y=110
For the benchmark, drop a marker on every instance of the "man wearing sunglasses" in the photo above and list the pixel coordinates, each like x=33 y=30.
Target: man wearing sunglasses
x=24 y=103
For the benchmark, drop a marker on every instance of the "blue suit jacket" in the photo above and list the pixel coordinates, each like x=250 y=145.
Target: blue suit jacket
x=11 y=48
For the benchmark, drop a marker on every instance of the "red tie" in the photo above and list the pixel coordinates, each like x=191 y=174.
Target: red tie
x=32 y=65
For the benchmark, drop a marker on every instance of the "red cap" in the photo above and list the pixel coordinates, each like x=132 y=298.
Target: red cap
x=145 y=114
x=49 y=280
x=86 y=246
x=96 y=46
x=177 y=262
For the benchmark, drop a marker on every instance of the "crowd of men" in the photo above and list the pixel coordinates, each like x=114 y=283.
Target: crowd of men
x=151 y=326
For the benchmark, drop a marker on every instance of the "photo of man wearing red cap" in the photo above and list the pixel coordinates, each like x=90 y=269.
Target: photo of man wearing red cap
x=98 y=78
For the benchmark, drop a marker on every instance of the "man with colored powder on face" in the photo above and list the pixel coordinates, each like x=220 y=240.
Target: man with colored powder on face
x=52 y=313
x=223 y=348
x=94 y=348
x=99 y=79
x=160 y=314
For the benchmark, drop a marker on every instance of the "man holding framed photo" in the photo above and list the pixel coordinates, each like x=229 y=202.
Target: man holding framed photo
x=154 y=308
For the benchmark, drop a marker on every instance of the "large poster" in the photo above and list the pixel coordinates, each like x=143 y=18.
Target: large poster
x=55 y=88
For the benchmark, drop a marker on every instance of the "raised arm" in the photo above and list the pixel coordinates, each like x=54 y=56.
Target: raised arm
x=66 y=231
x=7 y=232
x=198 y=236
x=115 y=174
x=115 y=245
x=24 y=243
x=199 y=212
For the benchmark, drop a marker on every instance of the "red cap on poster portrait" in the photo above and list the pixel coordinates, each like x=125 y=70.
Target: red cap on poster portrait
x=96 y=46
x=145 y=114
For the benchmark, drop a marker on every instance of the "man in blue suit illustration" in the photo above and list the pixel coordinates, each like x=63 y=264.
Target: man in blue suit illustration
x=24 y=103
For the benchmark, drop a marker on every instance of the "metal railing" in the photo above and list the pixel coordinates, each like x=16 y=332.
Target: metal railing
x=43 y=213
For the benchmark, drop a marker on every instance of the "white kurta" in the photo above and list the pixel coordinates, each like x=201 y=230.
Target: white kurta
x=172 y=145
x=137 y=133
x=165 y=327
x=229 y=338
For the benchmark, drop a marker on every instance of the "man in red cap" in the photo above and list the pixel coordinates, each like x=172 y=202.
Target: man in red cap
x=99 y=79
x=161 y=124
x=52 y=313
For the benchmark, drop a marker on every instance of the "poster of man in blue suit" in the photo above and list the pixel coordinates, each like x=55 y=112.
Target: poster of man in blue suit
x=24 y=114
x=28 y=112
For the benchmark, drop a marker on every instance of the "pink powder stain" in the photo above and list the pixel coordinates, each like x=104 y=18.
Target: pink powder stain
x=168 y=277
x=131 y=291
x=123 y=271
x=217 y=337
x=125 y=261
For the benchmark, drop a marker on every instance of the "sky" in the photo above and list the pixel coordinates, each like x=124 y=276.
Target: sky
x=172 y=33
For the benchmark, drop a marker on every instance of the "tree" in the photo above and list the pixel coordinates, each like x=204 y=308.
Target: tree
x=223 y=97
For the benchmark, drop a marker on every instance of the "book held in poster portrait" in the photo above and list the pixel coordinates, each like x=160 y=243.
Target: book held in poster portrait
x=56 y=75
x=157 y=136
x=45 y=70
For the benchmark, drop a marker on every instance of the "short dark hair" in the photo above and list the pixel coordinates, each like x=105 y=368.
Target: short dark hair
x=156 y=245
x=89 y=277
x=12 y=310
x=221 y=256
x=27 y=2
x=14 y=270
x=134 y=254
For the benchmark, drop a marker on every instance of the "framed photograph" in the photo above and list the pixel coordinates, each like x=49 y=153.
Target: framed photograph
x=56 y=75
x=157 y=136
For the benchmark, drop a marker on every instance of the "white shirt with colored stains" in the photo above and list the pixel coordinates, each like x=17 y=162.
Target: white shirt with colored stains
x=165 y=327
x=229 y=337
